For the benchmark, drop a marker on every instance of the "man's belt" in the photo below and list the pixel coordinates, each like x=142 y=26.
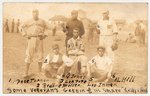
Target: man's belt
x=37 y=36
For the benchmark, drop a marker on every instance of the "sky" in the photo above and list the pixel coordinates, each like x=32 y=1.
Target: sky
x=128 y=11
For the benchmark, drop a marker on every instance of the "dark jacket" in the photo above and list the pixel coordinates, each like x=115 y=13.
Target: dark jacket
x=71 y=24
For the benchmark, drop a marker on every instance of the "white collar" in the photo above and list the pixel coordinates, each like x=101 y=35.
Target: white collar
x=77 y=38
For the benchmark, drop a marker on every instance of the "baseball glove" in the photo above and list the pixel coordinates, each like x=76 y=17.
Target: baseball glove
x=114 y=46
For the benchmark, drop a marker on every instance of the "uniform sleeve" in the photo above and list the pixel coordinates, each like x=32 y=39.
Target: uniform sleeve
x=92 y=61
x=23 y=29
x=46 y=60
x=65 y=28
x=47 y=28
x=115 y=30
x=82 y=31
x=47 y=25
x=98 y=25
x=136 y=31
x=143 y=27
x=69 y=45
x=67 y=61
x=109 y=61
x=82 y=46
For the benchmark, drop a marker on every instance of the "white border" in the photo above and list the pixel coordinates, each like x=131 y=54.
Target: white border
x=104 y=1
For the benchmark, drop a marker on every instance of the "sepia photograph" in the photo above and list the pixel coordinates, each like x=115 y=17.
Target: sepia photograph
x=75 y=48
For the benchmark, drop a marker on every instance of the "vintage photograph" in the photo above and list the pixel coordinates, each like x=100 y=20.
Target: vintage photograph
x=75 y=48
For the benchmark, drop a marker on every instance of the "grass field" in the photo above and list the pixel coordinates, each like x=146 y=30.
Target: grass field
x=130 y=59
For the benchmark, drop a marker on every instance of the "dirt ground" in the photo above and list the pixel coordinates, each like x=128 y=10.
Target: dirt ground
x=130 y=59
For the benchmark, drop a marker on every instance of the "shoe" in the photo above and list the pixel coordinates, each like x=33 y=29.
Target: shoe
x=25 y=76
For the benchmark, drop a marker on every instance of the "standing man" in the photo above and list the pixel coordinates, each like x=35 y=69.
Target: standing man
x=17 y=26
x=6 y=27
x=143 y=31
x=12 y=26
x=137 y=33
x=72 y=24
x=34 y=31
x=54 y=30
x=107 y=28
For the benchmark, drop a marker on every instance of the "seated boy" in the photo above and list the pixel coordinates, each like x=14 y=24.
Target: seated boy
x=54 y=64
x=131 y=38
x=75 y=50
x=100 y=66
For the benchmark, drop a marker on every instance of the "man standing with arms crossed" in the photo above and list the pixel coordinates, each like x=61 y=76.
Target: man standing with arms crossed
x=34 y=31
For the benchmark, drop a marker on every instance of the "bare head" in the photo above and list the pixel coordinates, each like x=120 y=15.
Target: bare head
x=76 y=32
x=101 y=51
x=55 y=48
x=105 y=15
x=35 y=14
x=74 y=14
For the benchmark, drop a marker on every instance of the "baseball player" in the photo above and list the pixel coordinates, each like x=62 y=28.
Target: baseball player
x=107 y=28
x=100 y=66
x=55 y=63
x=76 y=52
x=34 y=31
x=71 y=24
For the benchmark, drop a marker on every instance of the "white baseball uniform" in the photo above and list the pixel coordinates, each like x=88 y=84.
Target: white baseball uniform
x=33 y=28
x=107 y=28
